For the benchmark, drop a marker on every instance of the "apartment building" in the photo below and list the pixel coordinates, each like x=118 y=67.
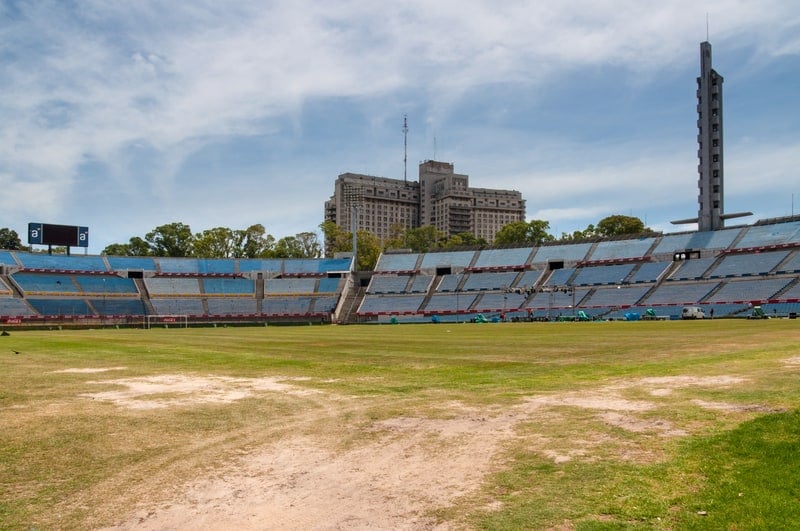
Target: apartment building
x=441 y=198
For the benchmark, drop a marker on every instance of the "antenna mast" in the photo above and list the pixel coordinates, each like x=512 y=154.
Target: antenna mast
x=405 y=148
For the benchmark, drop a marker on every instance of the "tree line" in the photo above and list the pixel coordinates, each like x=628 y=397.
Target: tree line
x=177 y=240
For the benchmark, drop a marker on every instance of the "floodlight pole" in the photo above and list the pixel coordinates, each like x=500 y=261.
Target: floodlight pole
x=574 y=313
x=458 y=309
x=355 y=236
x=353 y=195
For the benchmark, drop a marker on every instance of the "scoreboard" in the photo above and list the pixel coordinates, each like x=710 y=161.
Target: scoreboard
x=64 y=235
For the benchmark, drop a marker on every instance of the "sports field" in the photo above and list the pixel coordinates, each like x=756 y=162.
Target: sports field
x=610 y=425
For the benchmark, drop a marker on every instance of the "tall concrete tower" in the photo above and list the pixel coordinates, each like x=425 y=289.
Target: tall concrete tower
x=709 y=141
x=710 y=196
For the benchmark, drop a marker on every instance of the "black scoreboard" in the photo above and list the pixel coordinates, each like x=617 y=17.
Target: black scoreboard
x=64 y=235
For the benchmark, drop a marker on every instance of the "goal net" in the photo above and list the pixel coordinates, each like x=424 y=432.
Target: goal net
x=166 y=321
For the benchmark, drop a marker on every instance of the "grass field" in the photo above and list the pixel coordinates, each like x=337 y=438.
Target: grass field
x=667 y=425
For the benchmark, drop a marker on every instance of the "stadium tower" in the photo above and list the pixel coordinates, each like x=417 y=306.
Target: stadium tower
x=709 y=140
x=710 y=197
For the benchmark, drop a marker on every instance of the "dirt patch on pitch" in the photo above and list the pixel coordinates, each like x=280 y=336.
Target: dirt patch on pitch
x=89 y=370
x=177 y=390
x=794 y=361
x=395 y=472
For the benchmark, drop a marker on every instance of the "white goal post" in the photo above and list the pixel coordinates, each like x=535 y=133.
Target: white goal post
x=165 y=321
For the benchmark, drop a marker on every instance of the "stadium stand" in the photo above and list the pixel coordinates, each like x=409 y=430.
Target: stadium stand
x=529 y=278
x=770 y=235
x=449 y=282
x=125 y=263
x=488 y=281
x=560 y=277
x=172 y=286
x=15 y=308
x=558 y=299
x=621 y=249
x=792 y=265
x=36 y=286
x=693 y=269
x=499 y=302
x=40 y=261
x=6 y=258
x=390 y=304
x=45 y=283
x=728 y=271
x=329 y=285
x=179 y=265
x=119 y=306
x=615 y=297
x=498 y=259
x=680 y=294
x=574 y=252
x=289 y=285
x=271 y=266
x=649 y=272
x=388 y=284
x=734 y=265
x=421 y=283
x=458 y=259
x=756 y=290
x=182 y=306
x=306 y=267
x=397 y=263
x=610 y=274
x=232 y=306
x=228 y=286
x=449 y=302
x=106 y=284
x=71 y=307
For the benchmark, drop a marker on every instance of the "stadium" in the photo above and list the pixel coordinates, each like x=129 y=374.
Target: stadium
x=726 y=272
x=618 y=413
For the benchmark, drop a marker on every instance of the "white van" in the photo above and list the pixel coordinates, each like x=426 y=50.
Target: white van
x=693 y=312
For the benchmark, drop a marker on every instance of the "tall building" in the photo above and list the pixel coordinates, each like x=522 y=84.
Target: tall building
x=381 y=204
x=710 y=197
x=441 y=198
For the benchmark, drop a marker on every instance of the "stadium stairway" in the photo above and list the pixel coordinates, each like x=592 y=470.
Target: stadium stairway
x=15 y=291
x=787 y=288
x=355 y=295
x=142 y=287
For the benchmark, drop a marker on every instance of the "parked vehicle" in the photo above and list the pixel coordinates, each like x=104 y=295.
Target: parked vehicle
x=692 y=312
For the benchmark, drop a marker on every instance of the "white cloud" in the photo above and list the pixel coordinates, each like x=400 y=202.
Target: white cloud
x=139 y=89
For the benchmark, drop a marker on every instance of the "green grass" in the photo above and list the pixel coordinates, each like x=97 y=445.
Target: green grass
x=68 y=462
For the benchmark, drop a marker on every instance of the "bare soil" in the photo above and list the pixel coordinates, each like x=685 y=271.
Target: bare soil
x=396 y=474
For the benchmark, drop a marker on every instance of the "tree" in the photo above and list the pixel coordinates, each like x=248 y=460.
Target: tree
x=310 y=244
x=218 y=242
x=423 y=239
x=463 y=239
x=139 y=247
x=532 y=232
x=252 y=242
x=287 y=247
x=135 y=247
x=172 y=239
x=618 y=224
x=336 y=240
x=9 y=239
x=369 y=249
x=117 y=249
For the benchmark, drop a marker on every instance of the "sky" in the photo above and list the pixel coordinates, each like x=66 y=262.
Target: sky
x=124 y=116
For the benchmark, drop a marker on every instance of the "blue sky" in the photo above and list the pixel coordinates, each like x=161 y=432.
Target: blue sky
x=122 y=116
